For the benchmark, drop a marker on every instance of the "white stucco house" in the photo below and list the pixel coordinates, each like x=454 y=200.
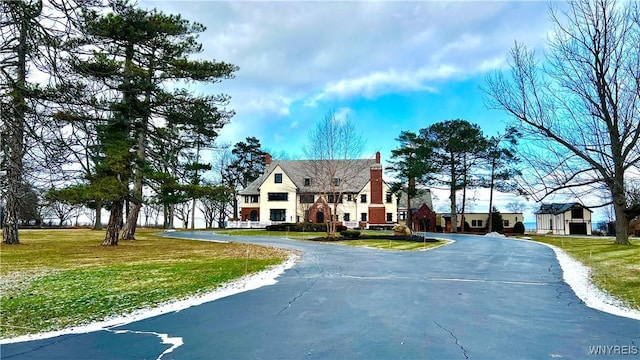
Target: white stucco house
x=296 y=191
x=563 y=219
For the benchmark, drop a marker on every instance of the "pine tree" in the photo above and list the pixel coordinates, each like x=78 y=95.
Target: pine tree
x=141 y=52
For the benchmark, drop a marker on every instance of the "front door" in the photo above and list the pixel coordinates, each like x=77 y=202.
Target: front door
x=319 y=217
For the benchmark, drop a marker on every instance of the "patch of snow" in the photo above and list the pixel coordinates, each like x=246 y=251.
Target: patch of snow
x=578 y=277
x=246 y=283
x=444 y=242
x=495 y=234
x=175 y=342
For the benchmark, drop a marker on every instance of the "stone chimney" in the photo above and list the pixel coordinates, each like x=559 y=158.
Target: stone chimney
x=267 y=159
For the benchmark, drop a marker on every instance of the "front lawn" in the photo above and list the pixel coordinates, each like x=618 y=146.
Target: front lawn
x=60 y=278
x=614 y=268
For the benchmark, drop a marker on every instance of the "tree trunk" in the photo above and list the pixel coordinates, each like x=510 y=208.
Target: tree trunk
x=410 y=190
x=235 y=205
x=10 y=225
x=622 y=222
x=15 y=148
x=113 y=227
x=193 y=214
x=452 y=197
x=464 y=203
x=129 y=231
x=454 y=216
x=98 y=222
x=493 y=167
x=170 y=215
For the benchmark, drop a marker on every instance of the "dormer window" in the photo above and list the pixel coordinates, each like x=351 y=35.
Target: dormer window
x=278 y=178
x=336 y=181
x=307 y=181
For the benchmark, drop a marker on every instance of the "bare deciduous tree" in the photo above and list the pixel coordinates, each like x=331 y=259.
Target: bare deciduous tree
x=334 y=146
x=32 y=35
x=581 y=108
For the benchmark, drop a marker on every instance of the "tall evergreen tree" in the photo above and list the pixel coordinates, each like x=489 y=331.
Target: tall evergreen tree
x=246 y=165
x=452 y=142
x=502 y=162
x=141 y=53
x=411 y=162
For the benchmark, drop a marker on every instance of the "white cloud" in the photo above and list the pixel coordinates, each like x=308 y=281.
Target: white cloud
x=331 y=54
x=267 y=105
x=379 y=83
x=342 y=114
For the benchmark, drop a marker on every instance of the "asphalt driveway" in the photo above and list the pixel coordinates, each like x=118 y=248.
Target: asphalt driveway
x=478 y=298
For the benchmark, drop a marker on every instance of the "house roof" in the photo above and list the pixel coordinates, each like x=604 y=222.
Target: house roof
x=422 y=197
x=353 y=174
x=559 y=208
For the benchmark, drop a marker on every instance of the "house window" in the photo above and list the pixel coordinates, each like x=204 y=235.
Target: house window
x=336 y=181
x=389 y=217
x=476 y=223
x=278 y=196
x=306 y=198
x=363 y=199
x=349 y=197
x=363 y=216
x=388 y=197
x=251 y=199
x=505 y=223
x=307 y=181
x=403 y=216
x=332 y=199
x=347 y=217
x=277 y=214
x=278 y=178
x=577 y=213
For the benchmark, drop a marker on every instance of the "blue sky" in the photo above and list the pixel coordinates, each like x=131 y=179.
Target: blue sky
x=389 y=65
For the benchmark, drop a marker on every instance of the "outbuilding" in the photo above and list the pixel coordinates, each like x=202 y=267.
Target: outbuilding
x=563 y=219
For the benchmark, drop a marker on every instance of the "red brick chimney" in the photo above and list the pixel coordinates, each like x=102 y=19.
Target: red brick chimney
x=267 y=159
x=377 y=212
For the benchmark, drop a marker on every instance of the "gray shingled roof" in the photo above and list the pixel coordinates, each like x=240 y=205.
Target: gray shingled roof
x=354 y=175
x=423 y=197
x=558 y=208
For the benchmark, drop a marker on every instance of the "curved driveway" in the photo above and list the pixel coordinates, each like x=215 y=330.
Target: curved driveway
x=479 y=298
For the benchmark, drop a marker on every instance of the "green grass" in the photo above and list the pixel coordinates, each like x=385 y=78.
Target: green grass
x=362 y=242
x=391 y=244
x=614 y=268
x=290 y=234
x=60 y=278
